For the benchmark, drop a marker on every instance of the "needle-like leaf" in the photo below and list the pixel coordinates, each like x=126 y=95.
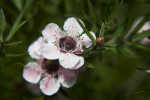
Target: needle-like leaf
x=15 y=27
x=2 y=24
x=92 y=11
x=86 y=31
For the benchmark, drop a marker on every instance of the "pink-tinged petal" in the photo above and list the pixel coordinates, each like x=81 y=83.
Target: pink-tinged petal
x=35 y=48
x=50 y=51
x=32 y=72
x=70 y=61
x=145 y=41
x=51 y=31
x=86 y=41
x=67 y=77
x=145 y=27
x=72 y=27
x=49 y=85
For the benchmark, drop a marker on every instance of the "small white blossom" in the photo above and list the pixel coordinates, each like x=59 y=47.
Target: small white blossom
x=50 y=75
x=66 y=45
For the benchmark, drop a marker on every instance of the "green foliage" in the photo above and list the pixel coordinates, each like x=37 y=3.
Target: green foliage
x=15 y=27
x=102 y=31
x=115 y=70
x=140 y=36
x=2 y=24
x=92 y=11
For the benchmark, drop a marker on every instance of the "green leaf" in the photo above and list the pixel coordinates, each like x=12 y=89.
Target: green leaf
x=94 y=29
x=15 y=27
x=140 y=36
x=15 y=54
x=13 y=43
x=115 y=12
x=2 y=24
x=119 y=30
x=117 y=33
x=92 y=11
x=140 y=92
x=142 y=22
x=107 y=44
x=86 y=31
x=102 y=31
x=86 y=16
x=90 y=65
x=114 y=26
x=18 y=3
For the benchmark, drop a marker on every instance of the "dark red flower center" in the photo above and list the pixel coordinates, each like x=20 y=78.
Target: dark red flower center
x=67 y=43
x=50 y=66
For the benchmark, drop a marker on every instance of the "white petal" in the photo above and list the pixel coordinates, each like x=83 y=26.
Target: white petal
x=51 y=31
x=49 y=85
x=86 y=41
x=32 y=72
x=72 y=27
x=70 y=61
x=145 y=27
x=35 y=48
x=67 y=77
x=50 y=51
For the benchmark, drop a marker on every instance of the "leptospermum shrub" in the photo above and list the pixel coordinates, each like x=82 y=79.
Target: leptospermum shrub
x=74 y=49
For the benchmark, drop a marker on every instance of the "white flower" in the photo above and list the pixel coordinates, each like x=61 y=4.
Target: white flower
x=50 y=74
x=145 y=27
x=35 y=49
x=65 y=45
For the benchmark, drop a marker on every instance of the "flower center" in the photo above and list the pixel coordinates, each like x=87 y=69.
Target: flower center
x=67 y=43
x=50 y=66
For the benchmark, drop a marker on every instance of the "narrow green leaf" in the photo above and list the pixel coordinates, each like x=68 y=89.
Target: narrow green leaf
x=141 y=69
x=102 y=31
x=119 y=30
x=13 y=43
x=86 y=31
x=18 y=3
x=115 y=12
x=15 y=27
x=90 y=65
x=114 y=26
x=28 y=5
x=107 y=44
x=142 y=22
x=15 y=54
x=140 y=36
x=2 y=24
x=92 y=11
x=117 y=33
x=140 y=92
x=94 y=29
x=129 y=52
x=86 y=16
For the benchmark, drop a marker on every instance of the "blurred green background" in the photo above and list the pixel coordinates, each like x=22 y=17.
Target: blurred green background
x=120 y=66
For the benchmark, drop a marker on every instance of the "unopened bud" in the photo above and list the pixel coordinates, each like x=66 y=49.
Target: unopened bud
x=100 y=40
x=148 y=71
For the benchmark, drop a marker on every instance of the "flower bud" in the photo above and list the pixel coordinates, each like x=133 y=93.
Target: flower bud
x=100 y=40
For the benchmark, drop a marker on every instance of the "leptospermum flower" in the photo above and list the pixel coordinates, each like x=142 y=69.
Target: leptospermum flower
x=145 y=27
x=66 y=44
x=50 y=74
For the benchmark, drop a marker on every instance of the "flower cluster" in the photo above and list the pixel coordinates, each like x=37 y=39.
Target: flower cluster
x=58 y=56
